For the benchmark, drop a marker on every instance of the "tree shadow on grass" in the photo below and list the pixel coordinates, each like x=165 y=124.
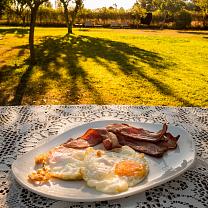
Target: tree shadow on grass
x=22 y=86
x=7 y=77
x=18 y=32
x=55 y=53
x=52 y=50
x=70 y=48
x=8 y=74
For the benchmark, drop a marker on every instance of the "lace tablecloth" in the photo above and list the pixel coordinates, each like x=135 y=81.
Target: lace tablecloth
x=24 y=127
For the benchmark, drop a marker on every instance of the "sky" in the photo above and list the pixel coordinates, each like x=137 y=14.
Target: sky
x=94 y=4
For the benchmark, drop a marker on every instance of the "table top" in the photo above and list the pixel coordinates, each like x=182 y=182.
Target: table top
x=22 y=128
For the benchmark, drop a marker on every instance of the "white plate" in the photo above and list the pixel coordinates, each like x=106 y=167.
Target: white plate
x=172 y=164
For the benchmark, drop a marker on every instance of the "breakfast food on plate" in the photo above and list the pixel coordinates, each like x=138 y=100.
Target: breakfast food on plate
x=60 y=162
x=114 y=172
x=107 y=171
x=91 y=138
x=117 y=135
x=140 y=134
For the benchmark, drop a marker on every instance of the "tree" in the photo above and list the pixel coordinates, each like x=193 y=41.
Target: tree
x=33 y=5
x=3 y=6
x=168 y=7
x=19 y=8
x=203 y=5
x=147 y=5
x=183 y=19
x=78 y=5
x=190 y=6
x=58 y=4
x=48 y=4
x=65 y=4
x=137 y=12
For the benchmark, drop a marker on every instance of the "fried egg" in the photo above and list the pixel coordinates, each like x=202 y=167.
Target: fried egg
x=113 y=172
x=60 y=162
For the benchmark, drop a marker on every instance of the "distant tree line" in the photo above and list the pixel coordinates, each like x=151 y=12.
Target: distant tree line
x=168 y=13
x=162 y=13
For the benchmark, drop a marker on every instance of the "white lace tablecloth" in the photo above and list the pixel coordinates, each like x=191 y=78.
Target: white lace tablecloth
x=24 y=127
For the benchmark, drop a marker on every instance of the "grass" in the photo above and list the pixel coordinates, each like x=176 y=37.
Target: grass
x=105 y=66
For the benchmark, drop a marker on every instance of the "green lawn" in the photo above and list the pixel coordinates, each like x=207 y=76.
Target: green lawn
x=105 y=66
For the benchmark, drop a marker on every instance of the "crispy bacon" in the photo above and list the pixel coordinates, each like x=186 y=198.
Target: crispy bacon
x=143 y=146
x=141 y=140
x=168 y=141
x=147 y=147
x=91 y=138
x=111 y=142
x=116 y=135
x=156 y=148
x=77 y=143
x=136 y=133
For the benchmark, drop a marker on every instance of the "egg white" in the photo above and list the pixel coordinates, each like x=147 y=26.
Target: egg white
x=65 y=163
x=99 y=169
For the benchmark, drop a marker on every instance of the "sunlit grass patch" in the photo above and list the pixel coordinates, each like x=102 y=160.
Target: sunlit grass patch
x=105 y=66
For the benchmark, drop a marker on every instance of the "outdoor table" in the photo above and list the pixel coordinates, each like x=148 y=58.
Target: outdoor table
x=22 y=128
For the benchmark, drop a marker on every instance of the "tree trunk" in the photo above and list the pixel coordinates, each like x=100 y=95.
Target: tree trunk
x=31 y=35
x=205 y=20
x=66 y=15
x=74 y=15
x=70 y=28
x=164 y=19
x=23 y=21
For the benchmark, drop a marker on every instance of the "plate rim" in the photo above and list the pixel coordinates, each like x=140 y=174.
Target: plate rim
x=112 y=196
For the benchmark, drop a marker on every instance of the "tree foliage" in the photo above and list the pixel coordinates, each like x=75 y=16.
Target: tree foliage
x=183 y=19
x=148 y=5
x=203 y=5
x=137 y=11
x=3 y=6
x=169 y=6
x=20 y=8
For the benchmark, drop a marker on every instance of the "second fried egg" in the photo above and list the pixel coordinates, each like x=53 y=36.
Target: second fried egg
x=113 y=172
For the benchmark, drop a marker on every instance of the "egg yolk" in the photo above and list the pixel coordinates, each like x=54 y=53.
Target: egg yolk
x=41 y=159
x=130 y=168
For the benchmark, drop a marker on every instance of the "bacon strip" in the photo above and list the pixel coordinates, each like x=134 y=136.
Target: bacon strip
x=136 y=133
x=148 y=148
x=116 y=135
x=155 y=144
x=93 y=137
x=168 y=141
x=111 y=142
x=77 y=143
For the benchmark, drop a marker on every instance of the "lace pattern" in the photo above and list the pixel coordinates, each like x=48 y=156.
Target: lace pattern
x=22 y=128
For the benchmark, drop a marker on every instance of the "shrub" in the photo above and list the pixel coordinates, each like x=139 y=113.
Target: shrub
x=183 y=19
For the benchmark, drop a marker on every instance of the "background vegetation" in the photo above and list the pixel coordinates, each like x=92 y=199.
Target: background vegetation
x=193 y=14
